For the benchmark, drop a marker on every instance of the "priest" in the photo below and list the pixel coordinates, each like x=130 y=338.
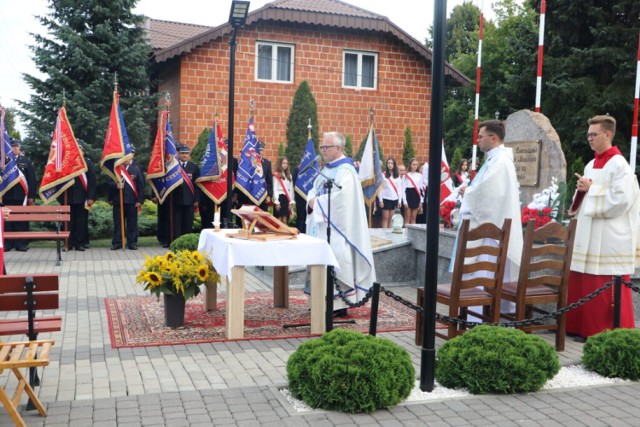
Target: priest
x=350 y=240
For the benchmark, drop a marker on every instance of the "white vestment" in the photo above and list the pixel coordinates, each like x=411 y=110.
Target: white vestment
x=350 y=239
x=607 y=238
x=493 y=196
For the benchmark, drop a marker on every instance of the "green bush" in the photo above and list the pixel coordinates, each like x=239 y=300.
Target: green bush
x=493 y=359
x=614 y=354
x=350 y=372
x=186 y=241
x=100 y=220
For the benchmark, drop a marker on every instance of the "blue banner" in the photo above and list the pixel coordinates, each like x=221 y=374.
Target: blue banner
x=210 y=168
x=163 y=185
x=10 y=175
x=250 y=178
x=304 y=181
x=371 y=187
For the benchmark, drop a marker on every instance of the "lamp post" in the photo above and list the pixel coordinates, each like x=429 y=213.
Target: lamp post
x=237 y=18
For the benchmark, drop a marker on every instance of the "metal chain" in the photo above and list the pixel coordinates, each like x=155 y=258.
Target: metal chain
x=525 y=322
x=349 y=304
x=631 y=286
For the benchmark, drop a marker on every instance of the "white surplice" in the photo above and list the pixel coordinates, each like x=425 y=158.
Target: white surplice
x=350 y=239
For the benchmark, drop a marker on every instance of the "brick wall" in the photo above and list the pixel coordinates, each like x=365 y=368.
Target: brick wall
x=401 y=98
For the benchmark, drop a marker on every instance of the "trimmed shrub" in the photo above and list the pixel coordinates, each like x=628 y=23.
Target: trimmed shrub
x=350 y=372
x=185 y=242
x=493 y=359
x=100 y=220
x=614 y=354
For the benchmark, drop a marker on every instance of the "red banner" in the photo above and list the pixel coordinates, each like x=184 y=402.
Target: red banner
x=65 y=160
x=217 y=190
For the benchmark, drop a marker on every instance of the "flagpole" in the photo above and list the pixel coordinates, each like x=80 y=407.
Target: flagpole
x=477 y=108
x=115 y=88
x=634 y=126
x=543 y=11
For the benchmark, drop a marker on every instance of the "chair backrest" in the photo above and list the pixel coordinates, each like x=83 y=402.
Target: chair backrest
x=546 y=257
x=481 y=255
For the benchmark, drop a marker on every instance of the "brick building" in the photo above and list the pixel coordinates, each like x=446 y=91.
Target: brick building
x=352 y=59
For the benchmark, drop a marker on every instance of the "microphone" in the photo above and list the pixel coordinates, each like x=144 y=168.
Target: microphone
x=310 y=164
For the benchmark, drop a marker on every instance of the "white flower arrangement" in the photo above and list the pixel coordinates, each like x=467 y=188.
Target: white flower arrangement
x=550 y=197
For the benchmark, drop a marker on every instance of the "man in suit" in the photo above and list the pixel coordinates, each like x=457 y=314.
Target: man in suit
x=17 y=194
x=301 y=204
x=185 y=198
x=132 y=186
x=80 y=197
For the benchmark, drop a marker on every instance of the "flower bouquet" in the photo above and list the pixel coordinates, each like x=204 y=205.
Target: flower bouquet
x=178 y=276
x=446 y=208
x=546 y=206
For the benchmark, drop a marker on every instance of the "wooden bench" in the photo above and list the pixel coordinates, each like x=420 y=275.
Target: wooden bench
x=29 y=293
x=44 y=213
x=18 y=355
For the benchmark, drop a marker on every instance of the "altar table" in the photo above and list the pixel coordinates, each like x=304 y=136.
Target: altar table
x=230 y=256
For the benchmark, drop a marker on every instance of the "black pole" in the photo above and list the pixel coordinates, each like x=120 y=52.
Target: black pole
x=617 y=296
x=328 y=314
x=232 y=85
x=428 y=354
x=375 y=300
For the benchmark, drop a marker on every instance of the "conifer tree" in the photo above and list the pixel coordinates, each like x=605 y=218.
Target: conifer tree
x=348 y=146
x=408 y=152
x=201 y=147
x=303 y=108
x=88 y=43
x=281 y=150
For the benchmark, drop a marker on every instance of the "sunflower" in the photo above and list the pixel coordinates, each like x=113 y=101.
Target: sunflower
x=153 y=278
x=202 y=273
x=198 y=257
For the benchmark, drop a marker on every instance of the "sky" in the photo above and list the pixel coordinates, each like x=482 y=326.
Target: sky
x=17 y=21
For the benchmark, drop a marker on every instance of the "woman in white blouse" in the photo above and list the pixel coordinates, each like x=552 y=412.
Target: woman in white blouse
x=413 y=192
x=389 y=197
x=283 y=199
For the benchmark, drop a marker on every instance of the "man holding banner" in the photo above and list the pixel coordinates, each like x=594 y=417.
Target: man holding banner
x=132 y=187
x=185 y=197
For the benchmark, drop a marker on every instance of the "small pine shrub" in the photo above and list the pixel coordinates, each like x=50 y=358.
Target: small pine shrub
x=185 y=242
x=100 y=220
x=614 y=354
x=492 y=359
x=350 y=372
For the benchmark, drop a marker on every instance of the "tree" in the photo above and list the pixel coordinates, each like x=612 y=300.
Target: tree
x=281 y=150
x=86 y=44
x=408 y=152
x=589 y=68
x=201 y=146
x=348 y=146
x=303 y=109
x=455 y=160
x=10 y=123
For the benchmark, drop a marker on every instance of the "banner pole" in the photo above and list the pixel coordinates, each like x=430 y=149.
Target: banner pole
x=122 y=217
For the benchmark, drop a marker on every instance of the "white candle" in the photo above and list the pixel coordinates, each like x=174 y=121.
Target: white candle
x=216 y=219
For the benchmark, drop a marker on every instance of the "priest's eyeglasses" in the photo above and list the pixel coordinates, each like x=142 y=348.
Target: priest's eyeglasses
x=325 y=147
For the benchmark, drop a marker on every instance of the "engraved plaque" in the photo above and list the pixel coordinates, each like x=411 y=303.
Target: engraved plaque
x=526 y=156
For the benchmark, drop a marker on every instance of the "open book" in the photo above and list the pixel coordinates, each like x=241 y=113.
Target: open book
x=259 y=224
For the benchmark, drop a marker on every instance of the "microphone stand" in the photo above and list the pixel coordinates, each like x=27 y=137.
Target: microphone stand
x=328 y=184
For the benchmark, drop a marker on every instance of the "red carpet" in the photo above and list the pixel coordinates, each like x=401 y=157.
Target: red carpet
x=139 y=321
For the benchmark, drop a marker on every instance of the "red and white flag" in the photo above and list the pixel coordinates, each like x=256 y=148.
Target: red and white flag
x=446 y=184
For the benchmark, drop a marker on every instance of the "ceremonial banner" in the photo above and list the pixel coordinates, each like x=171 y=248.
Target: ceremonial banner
x=164 y=172
x=304 y=181
x=370 y=171
x=65 y=160
x=215 y=159
x=117 y=148
x=250 y=178
x=10 y=175
x=446 y=184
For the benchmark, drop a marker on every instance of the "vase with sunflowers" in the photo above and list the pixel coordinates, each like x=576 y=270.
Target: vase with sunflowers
x=178 y=276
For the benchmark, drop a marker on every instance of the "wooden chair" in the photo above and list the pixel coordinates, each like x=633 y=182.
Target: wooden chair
x=477 y=276
x=18 y=355
x=544 y=276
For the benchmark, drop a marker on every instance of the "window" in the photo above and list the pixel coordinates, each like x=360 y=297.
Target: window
x=275 y=62
x=360 y=70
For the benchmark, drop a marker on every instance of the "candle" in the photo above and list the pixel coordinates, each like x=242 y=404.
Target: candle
x=216 y=219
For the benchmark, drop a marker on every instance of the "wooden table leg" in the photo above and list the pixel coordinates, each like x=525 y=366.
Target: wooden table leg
x=234 y=324
x=211 y=297
x=281 y=286
x=318 y=293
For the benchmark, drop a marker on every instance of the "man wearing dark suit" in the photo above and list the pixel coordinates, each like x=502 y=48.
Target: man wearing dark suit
x=185 y=198
x=79 y=197
x=16 y=196
x=133 y=197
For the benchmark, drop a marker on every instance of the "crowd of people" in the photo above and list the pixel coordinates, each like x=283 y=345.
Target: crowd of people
x=606 y=204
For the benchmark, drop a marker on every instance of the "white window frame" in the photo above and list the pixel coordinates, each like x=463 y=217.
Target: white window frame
x=274 y=61
x=360 y=54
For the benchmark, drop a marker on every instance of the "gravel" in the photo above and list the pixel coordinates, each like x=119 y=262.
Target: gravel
x=568 y=377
